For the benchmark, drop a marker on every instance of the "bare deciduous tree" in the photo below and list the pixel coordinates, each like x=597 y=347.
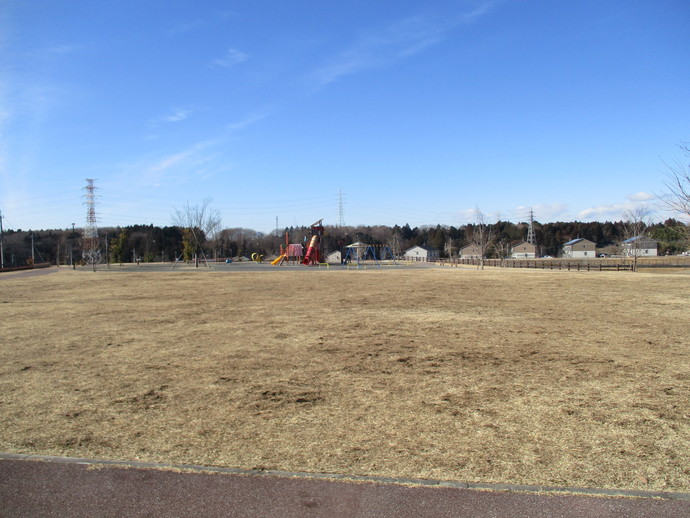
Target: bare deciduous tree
x=394 y=242
x=201 y=223
x=449 y=247
x=636 y=223
x=677 y=197
x=482 y=236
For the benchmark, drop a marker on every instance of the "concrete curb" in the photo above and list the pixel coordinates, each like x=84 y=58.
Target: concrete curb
x=355 y=478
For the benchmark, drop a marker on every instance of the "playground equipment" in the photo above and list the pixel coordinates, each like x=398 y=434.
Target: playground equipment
x=356 y=253
x=291 y=252
x=295 y=252
x=259 y=258
x=313 y=255
x=360 y=252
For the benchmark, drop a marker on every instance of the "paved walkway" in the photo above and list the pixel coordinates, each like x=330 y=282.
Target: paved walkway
x=49 y=486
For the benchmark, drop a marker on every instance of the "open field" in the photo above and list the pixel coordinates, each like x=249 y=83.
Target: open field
x=497 y=376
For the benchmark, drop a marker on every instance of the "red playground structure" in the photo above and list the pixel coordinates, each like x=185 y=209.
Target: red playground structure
x=313 y=255
x=294 y=252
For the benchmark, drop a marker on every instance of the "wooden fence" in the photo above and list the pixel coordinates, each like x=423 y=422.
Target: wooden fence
x=28 y=267
x=617 y=264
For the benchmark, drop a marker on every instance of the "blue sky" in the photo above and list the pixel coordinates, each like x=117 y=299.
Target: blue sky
x=417 y=112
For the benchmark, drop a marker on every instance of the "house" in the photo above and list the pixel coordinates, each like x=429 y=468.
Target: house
x=335 y=257
x=640 y=246
x=470 y=252
x=579 y=249
x=524 y=250
x=421 y=253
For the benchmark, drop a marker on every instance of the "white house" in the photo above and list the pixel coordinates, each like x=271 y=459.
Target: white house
x=421 y=253
x=640 y=246
x=579 y=249
x=524 y=250
x=335 y=257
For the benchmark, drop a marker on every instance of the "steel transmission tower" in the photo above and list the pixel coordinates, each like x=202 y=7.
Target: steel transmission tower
x=341 y=221
x=530 y=229
x=531 y=238
x=91 y=253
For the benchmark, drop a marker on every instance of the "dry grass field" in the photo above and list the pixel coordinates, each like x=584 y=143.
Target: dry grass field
x=495 y=376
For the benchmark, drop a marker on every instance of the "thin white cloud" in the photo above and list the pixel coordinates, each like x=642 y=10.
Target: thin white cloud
x=173 y=168
x=54 y=51
x=60 y=49
x=641 y=196
x=232 y=57
x=200 y=24
x=395 y=42
x=602 y=212
x=466 y=216
x=481 y=8
x=177 y=115
x=252 y=119
x=544 y=212
x=615 y=211
x=398 y=41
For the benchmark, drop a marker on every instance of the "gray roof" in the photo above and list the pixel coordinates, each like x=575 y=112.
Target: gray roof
x=638 y=238
x=573 y=241
x=424 y=247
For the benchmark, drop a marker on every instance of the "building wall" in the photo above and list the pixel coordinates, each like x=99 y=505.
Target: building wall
x=524 y=251
x=417 y=253
x=334 y=257
x=581 y=250
x=640 y=252
x=470 y=252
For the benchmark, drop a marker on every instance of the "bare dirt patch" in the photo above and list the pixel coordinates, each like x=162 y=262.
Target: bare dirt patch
x=527 y=377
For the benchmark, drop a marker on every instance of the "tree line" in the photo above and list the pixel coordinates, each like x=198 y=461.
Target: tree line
x=149 y=243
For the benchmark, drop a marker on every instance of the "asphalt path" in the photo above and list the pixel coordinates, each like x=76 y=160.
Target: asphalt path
x=59 y=487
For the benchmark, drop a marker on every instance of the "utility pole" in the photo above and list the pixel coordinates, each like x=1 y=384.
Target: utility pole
x=2 y=252
x=71 y=250
x=33 y=258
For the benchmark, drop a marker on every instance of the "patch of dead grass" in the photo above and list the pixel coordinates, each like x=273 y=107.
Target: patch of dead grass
x=527 y=377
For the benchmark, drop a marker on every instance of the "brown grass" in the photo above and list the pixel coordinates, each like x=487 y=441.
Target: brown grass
x=527 y=377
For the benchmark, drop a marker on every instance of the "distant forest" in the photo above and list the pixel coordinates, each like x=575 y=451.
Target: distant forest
x=149 y=243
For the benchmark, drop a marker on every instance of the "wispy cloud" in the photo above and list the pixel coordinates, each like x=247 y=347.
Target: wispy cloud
x=617 y=211
x=59 y=50
x=178 y=115
x=252 y=119
x=481 y=8
x=398 y=41
x=177 y=168
x=232 y=57
x=199 y=24
x=602 y=212
x=544 y=212
x=641 y=196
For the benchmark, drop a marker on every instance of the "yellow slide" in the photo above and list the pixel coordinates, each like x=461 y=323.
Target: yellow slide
x=278 y=260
